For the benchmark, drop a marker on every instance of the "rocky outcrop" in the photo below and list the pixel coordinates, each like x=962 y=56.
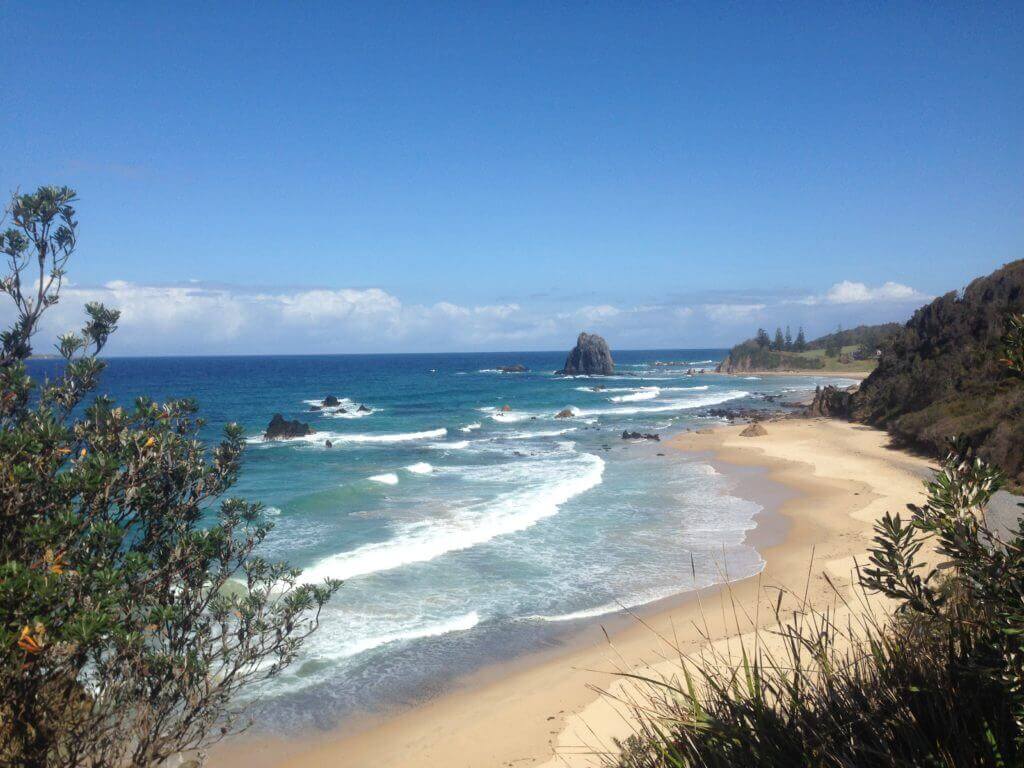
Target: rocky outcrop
x=363 y=409
x=281 y=429
x=565 y=413
x=590 y=357
x=331 y=401
x=754 y=430
x=832 y=401
x=514 y=368
x=627 y=435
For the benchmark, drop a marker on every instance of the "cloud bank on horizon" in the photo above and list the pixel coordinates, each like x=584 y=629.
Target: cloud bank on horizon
x=197 y=318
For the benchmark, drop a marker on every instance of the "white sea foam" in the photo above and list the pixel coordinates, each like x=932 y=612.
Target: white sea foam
x=388 y=478
x=420 y=468
x=346 y=409
x=467 y=527
x=752 y=378
x=455 y=445
x=272 y=511
x=676 y=405
x=435 y=629
x=397 y=437
x=643 y=393
x=320 y=438
x=470 y=427
x=542 y=433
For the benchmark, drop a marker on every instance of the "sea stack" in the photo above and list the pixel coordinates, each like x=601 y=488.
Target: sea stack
x=590 y=357
x=282 y=429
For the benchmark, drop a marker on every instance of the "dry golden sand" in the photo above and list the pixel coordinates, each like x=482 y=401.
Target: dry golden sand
x=553 y=709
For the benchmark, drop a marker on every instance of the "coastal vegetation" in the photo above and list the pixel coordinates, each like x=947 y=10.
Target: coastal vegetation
x=939 y=684
x=134 y=607
x=945 y=373
x=854 y=350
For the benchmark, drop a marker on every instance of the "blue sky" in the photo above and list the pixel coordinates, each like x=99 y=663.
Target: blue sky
x=376 y=177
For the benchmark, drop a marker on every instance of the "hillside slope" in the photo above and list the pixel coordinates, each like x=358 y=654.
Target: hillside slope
x=941 y=375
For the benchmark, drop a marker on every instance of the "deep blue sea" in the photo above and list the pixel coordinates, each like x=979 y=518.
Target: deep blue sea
x=466 y=533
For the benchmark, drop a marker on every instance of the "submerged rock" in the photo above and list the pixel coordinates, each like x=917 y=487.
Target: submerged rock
x=590 y=357
x=514 y=368
x=627 y=435
x=363 y=409
x=281 y=429
x=565 y=413
x=315 y=408
x=331 y=401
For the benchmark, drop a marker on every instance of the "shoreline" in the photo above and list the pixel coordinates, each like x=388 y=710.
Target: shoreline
x=858 y=375
x=820 y=483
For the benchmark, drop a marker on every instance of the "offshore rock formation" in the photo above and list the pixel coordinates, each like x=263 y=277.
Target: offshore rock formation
x=280 y=429
x=514 y=368
x=590 y=357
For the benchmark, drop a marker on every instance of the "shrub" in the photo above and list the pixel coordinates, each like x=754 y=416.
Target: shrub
x=132 y=606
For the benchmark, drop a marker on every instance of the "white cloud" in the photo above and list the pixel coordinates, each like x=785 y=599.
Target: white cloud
x=732 y=313
x=196 y=318
x=851 y=292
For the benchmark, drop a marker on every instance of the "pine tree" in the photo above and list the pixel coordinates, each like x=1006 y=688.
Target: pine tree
x=801 y=341
x=762 y=338
x=780 y=342
x=789 y=339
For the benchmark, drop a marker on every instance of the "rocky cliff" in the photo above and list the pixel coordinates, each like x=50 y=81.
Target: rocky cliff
x=941 y=375
x=590 y=357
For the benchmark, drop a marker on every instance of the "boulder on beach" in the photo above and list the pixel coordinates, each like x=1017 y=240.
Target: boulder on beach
x=590 y=357
x=514 y=368
x=281 y=429
x=754 y=430
x=331 y=401
x=565 y=413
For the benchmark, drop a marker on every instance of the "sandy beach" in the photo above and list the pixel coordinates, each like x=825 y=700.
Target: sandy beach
x=822 y=484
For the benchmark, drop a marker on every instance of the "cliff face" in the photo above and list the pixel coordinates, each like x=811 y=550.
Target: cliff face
x=941 y=375
x=590 y=357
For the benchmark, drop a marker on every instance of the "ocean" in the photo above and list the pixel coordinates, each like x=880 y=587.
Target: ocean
x=466 y=533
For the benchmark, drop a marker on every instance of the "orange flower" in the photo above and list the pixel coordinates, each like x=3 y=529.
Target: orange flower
x=150 y=443
x=82 y=454
x=29 y=643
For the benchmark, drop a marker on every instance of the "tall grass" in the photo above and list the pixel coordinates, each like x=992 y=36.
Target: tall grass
x=937 y=683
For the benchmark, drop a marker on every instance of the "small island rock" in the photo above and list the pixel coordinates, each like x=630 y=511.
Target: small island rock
x=565 y=413
x=331 y=401
x=280 y=429
x=514 y=368
x=590 y=357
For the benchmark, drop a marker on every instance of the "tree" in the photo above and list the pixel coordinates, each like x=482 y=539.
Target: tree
x=800 y=344
x=762 y=338
x=133 y=605
x=789 y=339
x=780 y=343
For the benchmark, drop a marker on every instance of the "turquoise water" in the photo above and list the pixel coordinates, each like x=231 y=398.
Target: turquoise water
x=464 y=533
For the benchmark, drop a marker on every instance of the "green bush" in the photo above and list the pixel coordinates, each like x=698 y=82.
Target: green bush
x=132 y=605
